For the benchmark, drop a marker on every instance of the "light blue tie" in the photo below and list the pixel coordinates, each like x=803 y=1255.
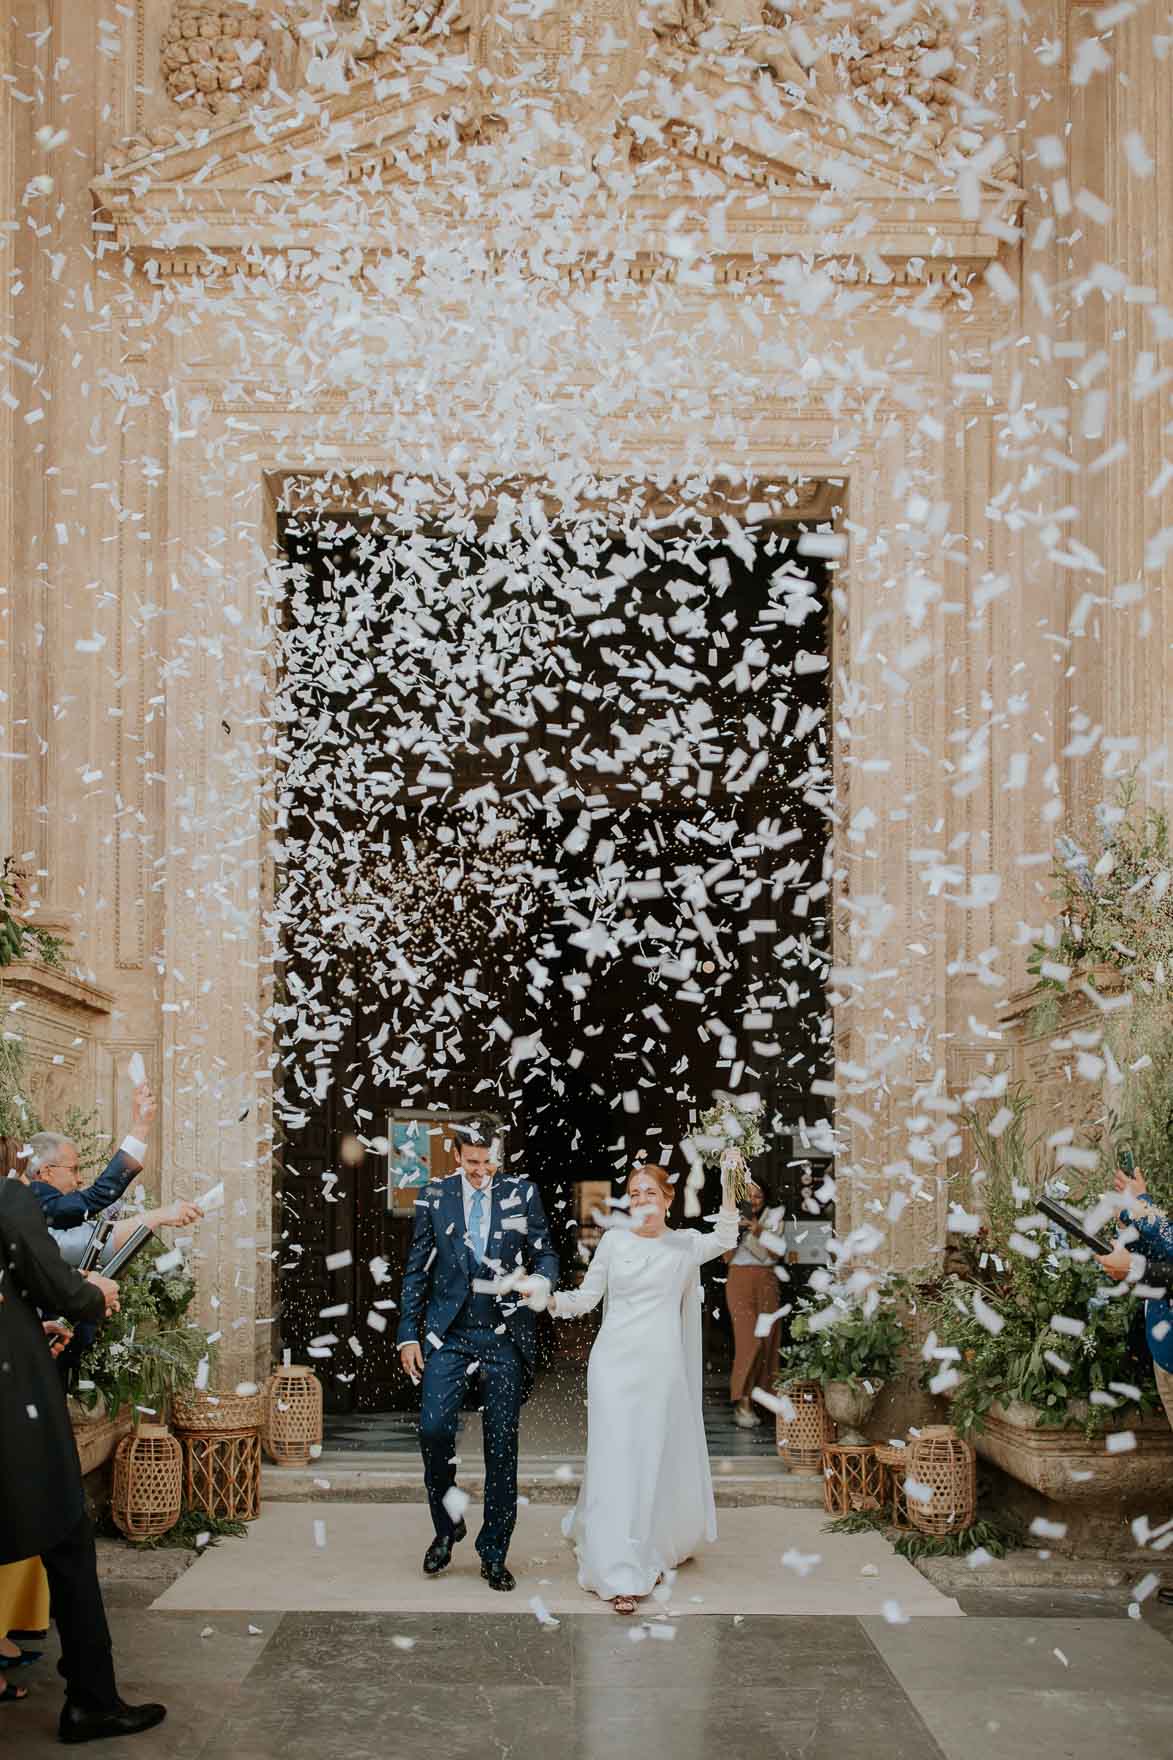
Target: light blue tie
x=476 y=1225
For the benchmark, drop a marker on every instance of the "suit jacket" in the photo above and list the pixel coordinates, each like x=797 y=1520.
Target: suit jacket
x=440 y=1266
x=40 y=1479
x=67 y=1209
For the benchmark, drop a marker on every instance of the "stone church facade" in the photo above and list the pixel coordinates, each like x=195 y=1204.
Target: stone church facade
x=903 y=332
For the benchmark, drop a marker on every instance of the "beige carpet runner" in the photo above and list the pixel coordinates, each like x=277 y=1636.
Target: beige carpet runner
x=365 y=1558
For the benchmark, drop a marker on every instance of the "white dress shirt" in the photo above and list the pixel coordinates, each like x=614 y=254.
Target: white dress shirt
x=469 y=1192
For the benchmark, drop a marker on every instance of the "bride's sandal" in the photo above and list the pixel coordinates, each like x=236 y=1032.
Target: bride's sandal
x=624 y=1603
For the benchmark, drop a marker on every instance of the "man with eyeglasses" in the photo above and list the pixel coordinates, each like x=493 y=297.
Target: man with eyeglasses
x=54 y=1169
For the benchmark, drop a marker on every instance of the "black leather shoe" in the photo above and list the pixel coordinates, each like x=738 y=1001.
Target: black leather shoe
x=498 y=1576
x=98 y=1726
x=439 y=1554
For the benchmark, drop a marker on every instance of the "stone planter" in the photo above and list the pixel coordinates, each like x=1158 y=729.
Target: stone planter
x=850 y=1405
x=1067 y=1467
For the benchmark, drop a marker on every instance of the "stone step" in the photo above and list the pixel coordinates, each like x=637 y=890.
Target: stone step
x=378 y=1478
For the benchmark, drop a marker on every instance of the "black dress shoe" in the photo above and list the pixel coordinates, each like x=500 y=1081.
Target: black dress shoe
x=498 y=1576
x=439 y=1554
x=98 y=1726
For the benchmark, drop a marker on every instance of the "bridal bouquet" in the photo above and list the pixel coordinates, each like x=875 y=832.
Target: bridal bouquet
x=729 y=1138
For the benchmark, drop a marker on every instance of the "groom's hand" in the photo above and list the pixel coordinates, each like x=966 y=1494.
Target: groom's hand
x=412 y=1358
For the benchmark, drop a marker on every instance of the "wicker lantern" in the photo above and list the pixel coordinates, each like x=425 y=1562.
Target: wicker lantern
x=941 y=1461
x=293 y=1415
x=802 y=1438
x=148 y=1483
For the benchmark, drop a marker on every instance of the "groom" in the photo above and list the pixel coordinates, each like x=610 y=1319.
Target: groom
x=473 y=1230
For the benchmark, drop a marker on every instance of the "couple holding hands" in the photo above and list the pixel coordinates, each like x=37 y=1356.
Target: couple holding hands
x=480 y=1267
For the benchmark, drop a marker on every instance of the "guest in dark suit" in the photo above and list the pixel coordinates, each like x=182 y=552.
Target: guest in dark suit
x=473 y=1231
x=42 y=1505
x=54 y=1171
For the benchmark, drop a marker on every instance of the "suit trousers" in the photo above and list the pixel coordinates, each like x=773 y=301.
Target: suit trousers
x=497 y=1361
x=751 y=1290
x=75 y=1599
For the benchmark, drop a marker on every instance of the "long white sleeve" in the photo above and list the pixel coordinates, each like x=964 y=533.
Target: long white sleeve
x=570 y=1303
x=721 y=1239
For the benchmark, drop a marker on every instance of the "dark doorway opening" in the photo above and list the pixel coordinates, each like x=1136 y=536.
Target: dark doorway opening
x=640 y=718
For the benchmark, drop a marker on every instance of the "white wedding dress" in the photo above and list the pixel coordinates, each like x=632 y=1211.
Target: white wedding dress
x=646 y=1502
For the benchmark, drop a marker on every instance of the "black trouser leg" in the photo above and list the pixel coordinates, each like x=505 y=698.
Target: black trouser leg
x=444 y=1384
x=87 y=1664
x=501 y=1383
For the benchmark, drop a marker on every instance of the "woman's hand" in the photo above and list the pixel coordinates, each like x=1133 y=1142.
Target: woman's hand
x=1131 y=1184
x=1117 y=1263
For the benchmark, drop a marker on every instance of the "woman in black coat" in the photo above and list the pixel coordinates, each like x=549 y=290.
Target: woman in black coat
x=42 y=1504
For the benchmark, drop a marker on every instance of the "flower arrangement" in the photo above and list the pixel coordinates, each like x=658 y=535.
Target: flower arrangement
x=148 y=1350
x=1023 y=1315
x=841 y=1336
x=729 y=1138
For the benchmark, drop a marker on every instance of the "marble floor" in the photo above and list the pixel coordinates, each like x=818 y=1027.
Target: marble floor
x=1069 y=1678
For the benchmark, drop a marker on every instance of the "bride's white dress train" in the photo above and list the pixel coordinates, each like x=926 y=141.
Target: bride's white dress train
x=646 y=1502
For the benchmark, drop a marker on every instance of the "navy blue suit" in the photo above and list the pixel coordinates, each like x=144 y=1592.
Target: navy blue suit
x=465 y=1333
x=68 y=1209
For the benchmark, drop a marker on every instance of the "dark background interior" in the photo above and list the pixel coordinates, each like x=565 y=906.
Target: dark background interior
x=567 y=1124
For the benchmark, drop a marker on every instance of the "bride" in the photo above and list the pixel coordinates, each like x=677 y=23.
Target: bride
x=646 y=1501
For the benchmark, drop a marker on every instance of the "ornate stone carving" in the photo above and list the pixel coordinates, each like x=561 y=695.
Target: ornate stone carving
x=901 y=75
x=342 y=40
x=215 y=55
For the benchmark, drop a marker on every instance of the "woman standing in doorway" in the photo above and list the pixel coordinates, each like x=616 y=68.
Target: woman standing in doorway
x=646 y=1502
x=751 y=1292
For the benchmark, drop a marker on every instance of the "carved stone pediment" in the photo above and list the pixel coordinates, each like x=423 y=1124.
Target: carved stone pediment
x=763 y=164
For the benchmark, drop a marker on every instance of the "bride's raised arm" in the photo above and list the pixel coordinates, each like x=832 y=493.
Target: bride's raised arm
x=568 y=1304
x=723 y=1238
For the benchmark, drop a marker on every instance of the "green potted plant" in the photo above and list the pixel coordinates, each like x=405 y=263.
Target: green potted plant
x=1036 y=1351
x=148 y=1350
x=852 y=1346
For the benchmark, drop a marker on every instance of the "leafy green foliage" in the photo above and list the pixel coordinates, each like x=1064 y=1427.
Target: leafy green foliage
x=193 y=1532
x=20 y=939
x=147 y=1351
x=1027 y=1294
x=835 y=1337
x=996 y=1538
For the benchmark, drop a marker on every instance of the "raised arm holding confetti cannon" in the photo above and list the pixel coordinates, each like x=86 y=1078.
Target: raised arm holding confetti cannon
x=54 y=1168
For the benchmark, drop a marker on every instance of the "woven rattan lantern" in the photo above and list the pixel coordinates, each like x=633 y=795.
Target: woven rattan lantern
x=148 y=1483
x=222 y=1474
x=293 y=1416
x=945 y=1465
x=852 y=1478
x=803 y=1436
